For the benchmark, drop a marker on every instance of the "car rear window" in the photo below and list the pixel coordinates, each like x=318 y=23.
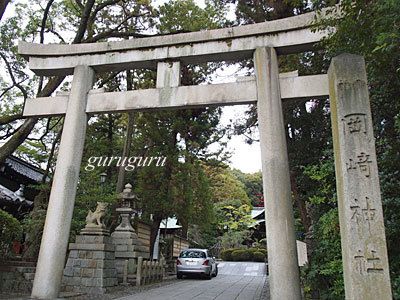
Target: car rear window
x=192 y=254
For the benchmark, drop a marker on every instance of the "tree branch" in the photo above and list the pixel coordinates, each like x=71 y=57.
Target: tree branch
x=107 y=80
x=84 y=21
x=17 y=138
x=53 y=147
x=10 y=72
x=56 y=34
x=8 y=119
x=44 y=20
x=11 y=87
x=101 y=6
x=23 y=132
x=3 y=6
x=113 y=33
x=79 y=3
x=9 y=133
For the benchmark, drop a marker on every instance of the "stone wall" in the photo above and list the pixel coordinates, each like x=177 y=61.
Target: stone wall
x=16 y=278
x=90 y=266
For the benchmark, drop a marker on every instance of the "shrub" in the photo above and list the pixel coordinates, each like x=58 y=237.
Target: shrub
x=227 y=254
x=238 y=255
x=247 y=256
x=258 y=256
x=263 y=251
x=242 y=255
x=10 y=230
x=252 y=250
x=252 y=254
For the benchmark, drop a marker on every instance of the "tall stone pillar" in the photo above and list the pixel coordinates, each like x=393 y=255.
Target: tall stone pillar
x=365 y=260
x=281 y=241
x=54 y=243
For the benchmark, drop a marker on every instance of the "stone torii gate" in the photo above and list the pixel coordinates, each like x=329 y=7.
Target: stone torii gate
x=364 y=251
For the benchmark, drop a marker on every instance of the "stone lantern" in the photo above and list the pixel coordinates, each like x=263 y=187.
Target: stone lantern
x=127 y=245
x=126 y=209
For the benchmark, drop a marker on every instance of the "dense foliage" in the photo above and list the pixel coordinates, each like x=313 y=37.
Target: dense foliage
x=371 y=29
x=242 y=254
x=10 y=231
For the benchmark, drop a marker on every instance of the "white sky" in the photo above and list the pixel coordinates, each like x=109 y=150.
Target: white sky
x=246 y=158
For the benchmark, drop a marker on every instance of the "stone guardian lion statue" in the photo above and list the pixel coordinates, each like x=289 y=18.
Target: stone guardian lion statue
x=95 y=219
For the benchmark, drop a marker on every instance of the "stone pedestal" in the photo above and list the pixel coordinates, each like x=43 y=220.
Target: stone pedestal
x=127 y=245
x=90 y=266
x=127 y=248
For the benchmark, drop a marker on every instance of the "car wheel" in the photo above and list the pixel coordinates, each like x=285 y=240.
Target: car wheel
x=209 y=276
x=179 y=276
x=216 y=272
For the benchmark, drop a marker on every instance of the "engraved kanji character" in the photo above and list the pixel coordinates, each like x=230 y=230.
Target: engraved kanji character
x=357 y=214
x=374 y=263
x=364 y=164
x=355 y=123
x=351 y=165
x=360 y=262
x=368 y=212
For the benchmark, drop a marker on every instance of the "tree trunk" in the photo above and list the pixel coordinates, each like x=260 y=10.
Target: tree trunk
x=3 y=6
x=125 y=152
x=35 y=230
x=154 y=231
x=305 y=219
x=22 y=133
x=128 y=140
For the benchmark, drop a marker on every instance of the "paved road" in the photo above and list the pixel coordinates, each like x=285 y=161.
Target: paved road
x=242 y=268
x=241 y=281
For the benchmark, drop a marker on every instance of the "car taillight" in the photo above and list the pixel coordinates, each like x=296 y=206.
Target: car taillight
x=205 y=263
x=178 y=262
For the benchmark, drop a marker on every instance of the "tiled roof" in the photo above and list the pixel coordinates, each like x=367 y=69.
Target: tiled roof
x=24 y=168
x=10 y=196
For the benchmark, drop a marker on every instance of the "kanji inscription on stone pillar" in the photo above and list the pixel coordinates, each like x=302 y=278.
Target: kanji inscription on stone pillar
x=365 y=260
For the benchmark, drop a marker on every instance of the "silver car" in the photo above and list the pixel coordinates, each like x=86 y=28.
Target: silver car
x=196 y=261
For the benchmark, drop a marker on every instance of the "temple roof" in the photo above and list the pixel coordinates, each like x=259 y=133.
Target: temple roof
x=24 y=168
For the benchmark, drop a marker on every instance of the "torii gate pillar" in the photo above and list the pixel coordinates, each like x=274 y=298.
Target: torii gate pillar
x=54 y=243
x=281 y=241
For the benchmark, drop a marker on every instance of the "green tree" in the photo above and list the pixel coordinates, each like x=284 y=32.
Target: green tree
x=10 y=230
x=225 y=186
x=65 y=22
x=309 y=146
x=180 y=188
x=253 y=185
x=371 y=29
x=233 y=222
x=186 y=15
x=37 y=139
